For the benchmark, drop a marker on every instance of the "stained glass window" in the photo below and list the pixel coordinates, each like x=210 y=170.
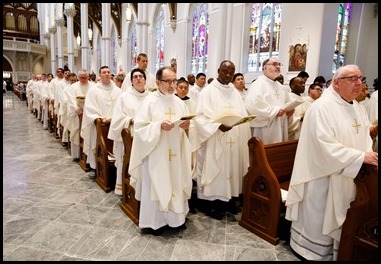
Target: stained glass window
x=264 y=35
x=200 y=33
x=99 y=51
x=114 y=51
x=159 y=60
x=341 y=35
x=133 y=46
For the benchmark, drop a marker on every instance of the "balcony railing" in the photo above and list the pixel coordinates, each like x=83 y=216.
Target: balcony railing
x=23 y=45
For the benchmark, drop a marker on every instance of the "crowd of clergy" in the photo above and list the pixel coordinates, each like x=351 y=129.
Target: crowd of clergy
x=182 y=160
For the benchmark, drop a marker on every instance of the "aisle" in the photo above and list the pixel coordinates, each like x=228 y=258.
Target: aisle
x=53 y=211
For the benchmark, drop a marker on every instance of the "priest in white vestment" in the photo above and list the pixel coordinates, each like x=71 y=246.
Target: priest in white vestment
x=142 y=61
x=126 y=107
x=62 y=106
x=99 y=103
x=334 y=143
x=297 y=85
x=266 y=99
x=223 y=153
x=75 y=103
x=29 y=91
x=160 y=163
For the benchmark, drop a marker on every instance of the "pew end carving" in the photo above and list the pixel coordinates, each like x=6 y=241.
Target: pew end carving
x=359 y=234
x=269 y=171
x=105 y=170
x=83 y=157
x=130 y=206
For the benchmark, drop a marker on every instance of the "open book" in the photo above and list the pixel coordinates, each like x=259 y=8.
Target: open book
x=292 y=104
x=182 y=119
x=232 y=119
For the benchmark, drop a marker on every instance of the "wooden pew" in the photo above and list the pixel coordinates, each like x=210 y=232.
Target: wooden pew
x=105 y=170
x=359 y=235
x=20 y=94
x=263 y=210
x=269 y=171
x=130 y=206
x=50 y=115
x=83 y=157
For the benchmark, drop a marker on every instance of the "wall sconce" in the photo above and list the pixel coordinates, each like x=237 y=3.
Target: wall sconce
x=173 y=22
x=90 y=32
x=128 y=14
x=79 y=40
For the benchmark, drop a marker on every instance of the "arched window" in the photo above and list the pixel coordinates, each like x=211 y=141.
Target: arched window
x=264 y=35
x=159 y=60
x=114 y=51
x=200 y=33
x=133 y=46
x=341 y=35
x=99 y=51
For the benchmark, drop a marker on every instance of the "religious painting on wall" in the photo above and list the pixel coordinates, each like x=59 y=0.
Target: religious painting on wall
x=297 y=57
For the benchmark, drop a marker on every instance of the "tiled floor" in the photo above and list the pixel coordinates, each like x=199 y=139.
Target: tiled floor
x=53 y=211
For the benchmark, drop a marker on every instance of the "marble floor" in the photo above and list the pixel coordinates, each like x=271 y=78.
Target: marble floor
x=53 y=211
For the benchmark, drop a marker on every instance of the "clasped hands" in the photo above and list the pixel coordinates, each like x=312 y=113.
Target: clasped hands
x=168 y=125
x=283 y=111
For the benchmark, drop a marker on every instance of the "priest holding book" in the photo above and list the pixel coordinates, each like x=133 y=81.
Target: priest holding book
x=267 y=99
x=222 y=151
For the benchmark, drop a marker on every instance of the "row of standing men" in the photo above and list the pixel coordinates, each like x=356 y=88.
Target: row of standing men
x=170 y=156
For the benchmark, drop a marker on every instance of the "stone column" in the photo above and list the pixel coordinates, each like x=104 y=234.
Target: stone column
x=59 y=24
x=53 y=59
x=85 y=37
x=70 y=13
x=106 y=35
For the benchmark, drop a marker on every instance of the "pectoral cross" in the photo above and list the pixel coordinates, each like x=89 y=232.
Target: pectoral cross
x=170 y=114
x=356 y=126
x=170 y=155
x=231 y=142
x=229 y=107
x=277 y=94
x=112 y=100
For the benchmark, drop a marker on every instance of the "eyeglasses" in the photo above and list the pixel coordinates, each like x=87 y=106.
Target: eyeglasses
x=275 y=64
x=353 y=78
x=169 y=82
x=138 y=76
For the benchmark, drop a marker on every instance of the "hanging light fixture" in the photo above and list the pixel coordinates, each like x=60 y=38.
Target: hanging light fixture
x=90 y=32
x=79 y=40
x=128 y=14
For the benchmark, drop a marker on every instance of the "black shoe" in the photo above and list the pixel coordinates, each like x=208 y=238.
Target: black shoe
x=232 y=207
x=151 y=231
x=76 y=160
x=65 y=144
x=215 y=214
x=179 y=228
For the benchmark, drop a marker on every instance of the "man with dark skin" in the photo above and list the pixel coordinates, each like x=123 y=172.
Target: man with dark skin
x=222 y=153
x=191 y=79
